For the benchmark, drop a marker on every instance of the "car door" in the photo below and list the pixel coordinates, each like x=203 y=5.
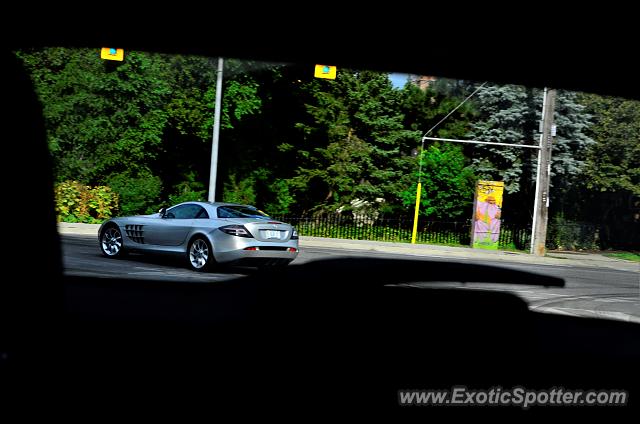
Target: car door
x=173 y=228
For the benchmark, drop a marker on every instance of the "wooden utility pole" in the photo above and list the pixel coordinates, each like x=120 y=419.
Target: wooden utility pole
x=541 y=204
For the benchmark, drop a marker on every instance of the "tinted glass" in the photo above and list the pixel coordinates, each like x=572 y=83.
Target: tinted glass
x=187 y=212
x=240 y=212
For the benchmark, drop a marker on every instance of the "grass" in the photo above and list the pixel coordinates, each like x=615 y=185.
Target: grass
x=433 y=243
x=629 y=256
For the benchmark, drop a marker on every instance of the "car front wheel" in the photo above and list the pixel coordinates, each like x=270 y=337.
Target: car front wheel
x=200 y=254
x=111 y=244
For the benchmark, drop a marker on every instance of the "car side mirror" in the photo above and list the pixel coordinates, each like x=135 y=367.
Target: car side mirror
x=162 y=212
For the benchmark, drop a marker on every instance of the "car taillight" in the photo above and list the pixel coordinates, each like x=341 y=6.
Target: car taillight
x=294 y=235
x=236 y=230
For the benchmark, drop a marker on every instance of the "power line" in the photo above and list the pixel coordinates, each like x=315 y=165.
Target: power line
x=441 y=121
x=456 y=108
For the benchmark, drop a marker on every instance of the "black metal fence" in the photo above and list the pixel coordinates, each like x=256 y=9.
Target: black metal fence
x=573 y=236
x=455 y=233
x=563 y=235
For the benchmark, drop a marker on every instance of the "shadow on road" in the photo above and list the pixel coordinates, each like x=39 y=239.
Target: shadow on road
x=177 y=263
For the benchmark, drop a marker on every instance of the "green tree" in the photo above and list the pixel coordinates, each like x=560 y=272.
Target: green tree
x=511 y=114
x=447 y=184
x=611 y=195
x=424 y=109
x=151 y=114
x=138 y=193
x=613 y=161
x=447 y=179
x=571 y=146
x=101 y=116
x=352 y=140
x=505 y=117
x=186 y=154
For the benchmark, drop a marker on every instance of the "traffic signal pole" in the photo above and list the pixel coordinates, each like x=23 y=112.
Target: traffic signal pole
x=543 y=174
x=424 y=137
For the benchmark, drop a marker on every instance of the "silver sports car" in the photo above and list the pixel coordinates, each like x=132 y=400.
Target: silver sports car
x=205 y=234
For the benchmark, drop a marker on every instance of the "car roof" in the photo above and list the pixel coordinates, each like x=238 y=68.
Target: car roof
x=216 y=204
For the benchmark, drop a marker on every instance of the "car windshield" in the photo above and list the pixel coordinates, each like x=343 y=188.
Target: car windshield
x=361 y=162
x=240 y=212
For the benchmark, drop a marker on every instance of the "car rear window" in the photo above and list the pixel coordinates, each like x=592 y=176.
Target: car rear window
x=240 y=212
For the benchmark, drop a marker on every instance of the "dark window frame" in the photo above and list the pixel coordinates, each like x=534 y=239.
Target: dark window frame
x=201 y=213
x=234 y=213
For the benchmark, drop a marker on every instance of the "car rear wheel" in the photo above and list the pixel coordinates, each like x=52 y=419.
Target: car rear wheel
x=111 y=244
x=200 y=254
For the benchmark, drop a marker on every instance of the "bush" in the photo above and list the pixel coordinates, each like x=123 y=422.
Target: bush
x=569 y=235
x=76 y=202
x=138 y=194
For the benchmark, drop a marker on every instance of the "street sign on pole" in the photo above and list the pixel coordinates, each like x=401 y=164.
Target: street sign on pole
x=325 y=71
x=110 y=53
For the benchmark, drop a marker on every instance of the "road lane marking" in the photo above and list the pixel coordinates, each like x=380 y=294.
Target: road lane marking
x=615 y=300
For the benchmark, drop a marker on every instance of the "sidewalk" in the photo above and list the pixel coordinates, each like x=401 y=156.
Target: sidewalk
x=78 y=229
x=573 y=259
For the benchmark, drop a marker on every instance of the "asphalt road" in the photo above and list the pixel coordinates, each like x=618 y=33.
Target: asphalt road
x=590 y=292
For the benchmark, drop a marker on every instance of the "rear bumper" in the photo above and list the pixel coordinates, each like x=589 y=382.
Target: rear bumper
x=228 y=249
x=258 y=257
x=260 y=262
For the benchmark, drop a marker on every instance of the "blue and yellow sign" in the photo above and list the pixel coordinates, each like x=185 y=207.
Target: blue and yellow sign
x=325 y=71
x=109 y=53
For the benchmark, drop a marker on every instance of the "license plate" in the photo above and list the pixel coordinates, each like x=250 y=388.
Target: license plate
x=271 y=234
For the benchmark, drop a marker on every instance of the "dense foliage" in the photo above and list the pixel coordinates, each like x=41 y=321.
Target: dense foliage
x=79 y=203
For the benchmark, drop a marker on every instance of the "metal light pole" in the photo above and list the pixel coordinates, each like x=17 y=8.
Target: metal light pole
x=216 y=133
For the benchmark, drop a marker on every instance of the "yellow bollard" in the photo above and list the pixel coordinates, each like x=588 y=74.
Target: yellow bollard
x=415 y=217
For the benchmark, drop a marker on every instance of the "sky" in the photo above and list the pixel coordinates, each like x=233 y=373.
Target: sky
x=398 y=80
